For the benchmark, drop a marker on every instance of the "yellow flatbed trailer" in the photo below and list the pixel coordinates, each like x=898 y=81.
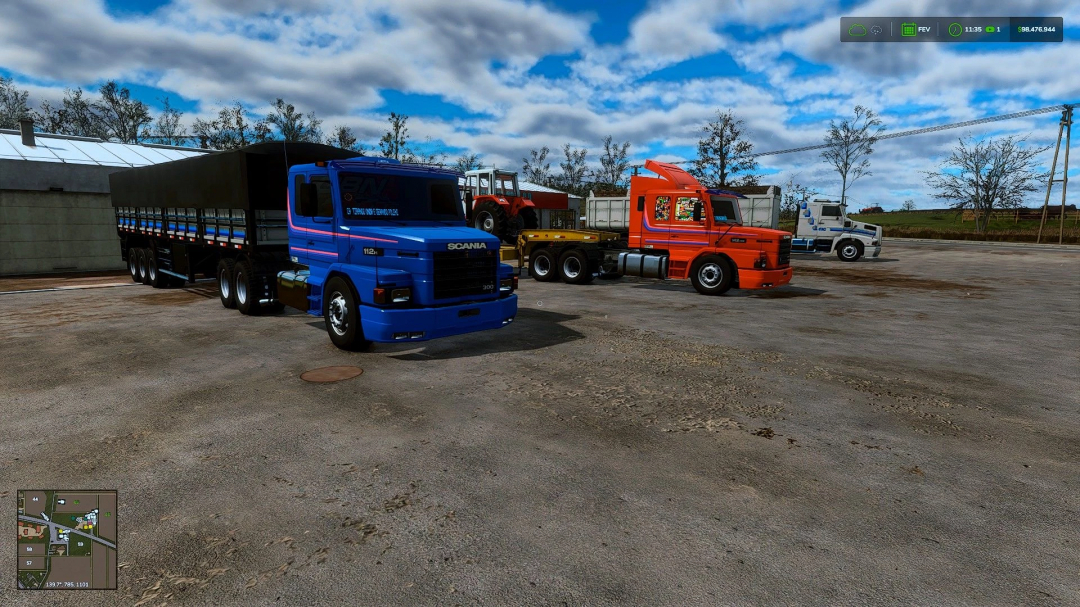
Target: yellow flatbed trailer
x=587 y=241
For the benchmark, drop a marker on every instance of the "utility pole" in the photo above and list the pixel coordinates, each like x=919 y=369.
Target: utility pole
x=1065 y=126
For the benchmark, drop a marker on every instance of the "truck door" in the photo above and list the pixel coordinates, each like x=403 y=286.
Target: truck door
x=314 y=242
x=657 y=222
x=686 y=231
x=830 y=225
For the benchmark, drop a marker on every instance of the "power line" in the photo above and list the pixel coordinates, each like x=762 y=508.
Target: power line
x=931 y=129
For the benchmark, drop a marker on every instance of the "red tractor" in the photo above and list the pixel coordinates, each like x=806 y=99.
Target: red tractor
x=494 y=204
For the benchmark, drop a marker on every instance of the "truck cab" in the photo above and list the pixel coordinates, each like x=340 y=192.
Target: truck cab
x=382 y=251
x=824 y=227
x=700 y=233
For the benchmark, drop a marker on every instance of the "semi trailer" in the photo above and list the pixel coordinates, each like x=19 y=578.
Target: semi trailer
x=674 y=228
x=379 y=249
x=824 y=227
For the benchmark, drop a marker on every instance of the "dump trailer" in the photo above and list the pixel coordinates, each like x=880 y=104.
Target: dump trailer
x=669 y=226
x=824 y=227
x=377 y=248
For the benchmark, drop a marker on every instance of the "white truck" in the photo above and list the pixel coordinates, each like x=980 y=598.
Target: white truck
x=612 y=214
x=824 y=227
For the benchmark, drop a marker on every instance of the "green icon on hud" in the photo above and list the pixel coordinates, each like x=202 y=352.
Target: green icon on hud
x=857 y=29
x=955 y=29
x=990 y=29
x=907 y=29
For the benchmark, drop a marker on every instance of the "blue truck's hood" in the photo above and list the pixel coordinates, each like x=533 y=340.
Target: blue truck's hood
x=439 y=238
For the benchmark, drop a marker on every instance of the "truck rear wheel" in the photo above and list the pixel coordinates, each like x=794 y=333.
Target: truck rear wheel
x=225 y=283
x=153 y=277
x=244 y=286
x=849 y=250
x=574 y=267
x=543 y=265
x=133 y=264
x=342 y=316
x=712 y=275
x=491 y=218
x=144 y=274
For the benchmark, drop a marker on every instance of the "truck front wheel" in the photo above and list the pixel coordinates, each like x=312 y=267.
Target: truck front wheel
x=849 y=250
x=574 y=267
x=225 y=283
x=342 y=316
x=712 y=275
x=543 y=264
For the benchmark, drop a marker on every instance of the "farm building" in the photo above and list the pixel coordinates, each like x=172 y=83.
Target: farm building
x=55 y=211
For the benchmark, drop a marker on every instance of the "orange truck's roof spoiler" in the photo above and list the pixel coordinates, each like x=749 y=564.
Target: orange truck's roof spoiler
x=673 y=174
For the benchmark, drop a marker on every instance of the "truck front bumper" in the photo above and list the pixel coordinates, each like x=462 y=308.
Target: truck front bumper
x=873 y=251
x=763 y=279
x=387 y=325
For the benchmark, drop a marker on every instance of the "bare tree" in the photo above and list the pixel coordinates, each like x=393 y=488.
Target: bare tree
x=167 y=130
x=122 y=117
x=432 y=158
x=467 y=162
x=983 y=176
x=76 y=115
x=613 y=165
x=574 y=169
x=394 y=144
x=13 y=107
x=794 y=195
x=850 y=144
x=909 y=205
x=725 y=158
x=231 y=129
x=535 y=168
x=342 y=137
x=292 y=125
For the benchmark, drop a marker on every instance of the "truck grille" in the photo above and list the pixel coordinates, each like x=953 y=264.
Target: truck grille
x=785 y=251
x=461 y=273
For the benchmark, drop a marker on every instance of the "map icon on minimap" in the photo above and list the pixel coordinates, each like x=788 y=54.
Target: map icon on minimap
x=67 y=540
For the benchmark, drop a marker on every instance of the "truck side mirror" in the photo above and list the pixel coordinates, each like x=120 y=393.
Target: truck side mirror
x=697 y=211
x=307 y=203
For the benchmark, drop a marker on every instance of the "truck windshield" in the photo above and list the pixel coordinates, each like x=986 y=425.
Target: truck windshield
x=373 y=196
x=725 y=210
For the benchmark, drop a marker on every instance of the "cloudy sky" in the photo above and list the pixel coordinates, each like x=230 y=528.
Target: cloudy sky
x=500 y=77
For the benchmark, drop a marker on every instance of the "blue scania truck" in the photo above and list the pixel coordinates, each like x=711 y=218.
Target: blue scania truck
x=378 y=248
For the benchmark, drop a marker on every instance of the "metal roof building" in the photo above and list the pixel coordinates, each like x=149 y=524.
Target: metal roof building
x=55 y=211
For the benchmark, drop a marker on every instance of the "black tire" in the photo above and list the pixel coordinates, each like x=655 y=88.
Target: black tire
x=144 y=274
x=529 y=220
x=712 y=275
x=574 y=267
x=245 y=286
x=153 y=277
x=490 y=217
x=133 y=264
x=543 y=265
x=226 y=286
x=341 y=314
x=849 y=250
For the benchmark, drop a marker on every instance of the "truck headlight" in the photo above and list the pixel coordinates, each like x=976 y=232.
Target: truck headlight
x=508 y=285
x=401 y=295
x=762 y=262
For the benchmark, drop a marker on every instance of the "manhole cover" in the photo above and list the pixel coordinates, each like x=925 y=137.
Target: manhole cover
x=330 y=374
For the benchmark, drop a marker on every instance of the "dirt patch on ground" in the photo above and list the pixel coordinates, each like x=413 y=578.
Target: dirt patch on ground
x=887 y=278
x=788 y=293
x=60 y=281
x=176 y=296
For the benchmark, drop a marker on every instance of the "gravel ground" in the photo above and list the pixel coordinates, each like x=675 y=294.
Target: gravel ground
x=896 y=431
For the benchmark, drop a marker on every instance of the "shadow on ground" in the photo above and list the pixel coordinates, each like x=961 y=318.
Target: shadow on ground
x=531 y=330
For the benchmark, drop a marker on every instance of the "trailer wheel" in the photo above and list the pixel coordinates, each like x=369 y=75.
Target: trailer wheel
x=342 y=316
x=133 y=264
x=153 y=277
x=543 y=265
x=849 y=250
x=225 y=283
x=574 y=267
x=529 y=221
x=712 y=275
x=244 y=286
x=144 y=274
x=491 y=218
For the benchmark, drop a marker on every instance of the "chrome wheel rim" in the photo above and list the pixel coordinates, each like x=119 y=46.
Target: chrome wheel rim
x=571 y=267
x=849 y=250
x=223 y=283
x=338 y=311
x=133 y=265
x=241 y=289
x=710 y=275
x=152 y=270
x=543 y=265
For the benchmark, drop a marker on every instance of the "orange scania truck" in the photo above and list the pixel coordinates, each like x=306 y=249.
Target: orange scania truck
x=669 y=227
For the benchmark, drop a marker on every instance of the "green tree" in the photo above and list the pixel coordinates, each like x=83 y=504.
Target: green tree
x=467 y=162
x=342 y=137
x=850 y=144
x=13 y=107
x=167 y=130
x=232 y=129
x=610 y=177
x=574 y=171
x=535 y=168
x=290 y=124
x=121 y=117
x=394 y=144
x=76 y=115
x=909 y=205
x=725 y=157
